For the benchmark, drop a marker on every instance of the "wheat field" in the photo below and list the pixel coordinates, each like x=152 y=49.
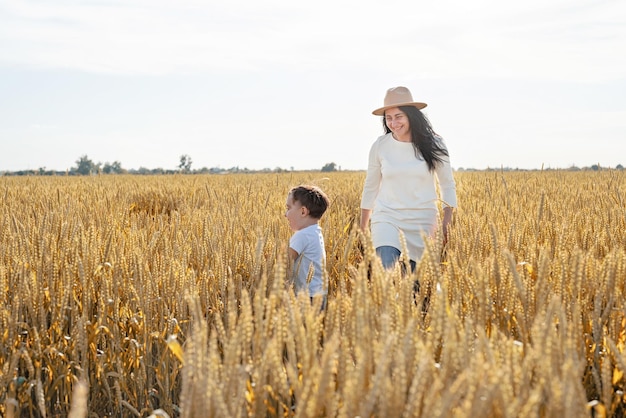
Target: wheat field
x=165 y=296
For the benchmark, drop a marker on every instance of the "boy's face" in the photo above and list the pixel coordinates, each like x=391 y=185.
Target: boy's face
x=296 y=214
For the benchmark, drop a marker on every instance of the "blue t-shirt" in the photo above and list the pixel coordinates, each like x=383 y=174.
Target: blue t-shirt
x=309 y=244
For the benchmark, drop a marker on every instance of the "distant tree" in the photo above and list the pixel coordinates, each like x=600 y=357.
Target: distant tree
x=185 y=163
x=329 y=167
x=619 y=167
x=84 y=166
x=112 y=168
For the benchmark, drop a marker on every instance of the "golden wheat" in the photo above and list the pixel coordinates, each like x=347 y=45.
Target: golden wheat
x=132 y=296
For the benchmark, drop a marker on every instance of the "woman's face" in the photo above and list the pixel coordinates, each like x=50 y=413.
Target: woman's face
x=398 y=122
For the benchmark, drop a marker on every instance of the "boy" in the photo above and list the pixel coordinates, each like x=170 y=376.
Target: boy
x=305 y=207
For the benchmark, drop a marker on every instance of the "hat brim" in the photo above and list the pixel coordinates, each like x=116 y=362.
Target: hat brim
x=381 y=111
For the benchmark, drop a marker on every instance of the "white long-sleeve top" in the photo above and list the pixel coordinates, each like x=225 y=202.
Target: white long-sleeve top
x=402 y=193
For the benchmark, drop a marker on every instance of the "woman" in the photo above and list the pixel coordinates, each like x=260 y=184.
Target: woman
x=400 y=192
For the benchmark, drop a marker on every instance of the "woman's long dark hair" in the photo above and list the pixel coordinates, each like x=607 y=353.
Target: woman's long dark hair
x=425 y=141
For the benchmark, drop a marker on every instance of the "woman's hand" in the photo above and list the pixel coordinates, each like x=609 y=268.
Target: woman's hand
x=448 y=211
x=365 y=218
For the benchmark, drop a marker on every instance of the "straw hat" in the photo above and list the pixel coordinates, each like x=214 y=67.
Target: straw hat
x=396 y=97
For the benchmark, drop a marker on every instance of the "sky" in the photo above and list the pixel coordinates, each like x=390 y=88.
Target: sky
x=263 y=84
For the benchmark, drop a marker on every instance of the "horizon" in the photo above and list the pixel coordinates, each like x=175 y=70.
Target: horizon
x=100 y=168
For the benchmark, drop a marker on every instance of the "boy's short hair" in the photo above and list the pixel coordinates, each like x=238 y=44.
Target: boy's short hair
x=312 y=198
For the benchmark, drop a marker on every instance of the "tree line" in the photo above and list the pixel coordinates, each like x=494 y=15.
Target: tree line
x=86 y=166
